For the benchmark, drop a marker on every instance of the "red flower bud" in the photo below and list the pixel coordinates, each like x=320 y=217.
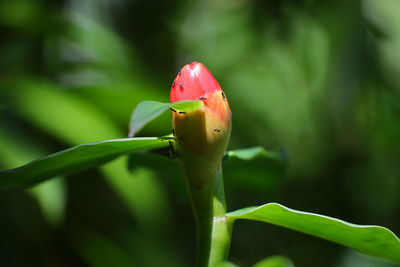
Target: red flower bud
x=202 y=137
x=205 y=131
x=197 y=80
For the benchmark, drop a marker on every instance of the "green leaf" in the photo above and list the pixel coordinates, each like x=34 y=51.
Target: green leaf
x=147 y=111
x=369 y=239
x=253 y=153
x=275 y=261
x=74 y=159
x=187 y=105
x=73 y=120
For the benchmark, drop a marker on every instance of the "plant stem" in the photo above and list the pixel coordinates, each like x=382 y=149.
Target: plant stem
x=214 y=233
x=221 y=229
x=206 y=190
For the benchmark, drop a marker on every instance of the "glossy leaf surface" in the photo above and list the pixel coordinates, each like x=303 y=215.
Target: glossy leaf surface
x=369 y=239
x=74 y=159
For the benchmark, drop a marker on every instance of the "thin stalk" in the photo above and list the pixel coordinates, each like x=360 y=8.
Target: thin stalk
x=214 y=235
x=206 y=190
x=209 y=208
x=221 y=228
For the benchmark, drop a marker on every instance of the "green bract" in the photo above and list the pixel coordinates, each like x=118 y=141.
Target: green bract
x=147 y=111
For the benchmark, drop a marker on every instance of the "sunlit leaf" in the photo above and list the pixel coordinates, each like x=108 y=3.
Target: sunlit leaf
x=369 y=239
x=147 y=111
x=74 y=159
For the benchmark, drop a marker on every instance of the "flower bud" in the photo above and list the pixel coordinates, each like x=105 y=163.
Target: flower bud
x=202 y=137
x=204 y=132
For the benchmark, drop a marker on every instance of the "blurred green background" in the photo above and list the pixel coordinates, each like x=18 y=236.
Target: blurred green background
x=317 y=79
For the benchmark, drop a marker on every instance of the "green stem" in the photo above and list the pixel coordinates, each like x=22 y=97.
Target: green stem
x=206 y=190
x=221 y=228
x=214 y=233
x=220 y=241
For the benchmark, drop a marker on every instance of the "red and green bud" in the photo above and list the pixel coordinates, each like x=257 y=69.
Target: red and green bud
x=202 y=137
x=205 y=131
